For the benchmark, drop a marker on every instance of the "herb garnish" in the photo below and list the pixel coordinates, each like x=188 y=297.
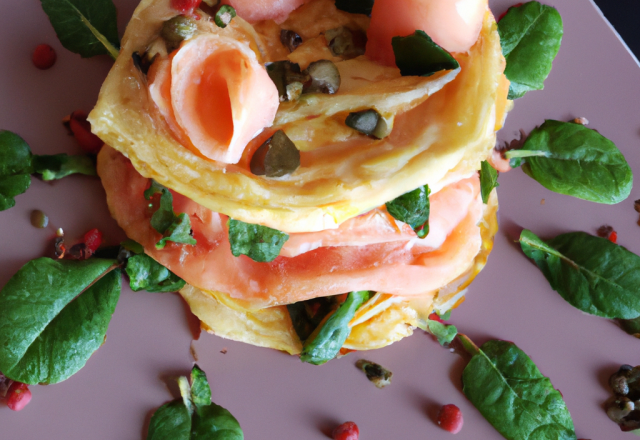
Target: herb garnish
x=326 y=343
x=224 y=16
x=571 y=159
x=173 y=227
x=194 y=416
x=145 y=273
x=419 y=55
x=530 y=36
x=444 y=333
x=17 y=163
x=307 y=315
x=591 y=273
x=260 y=243
x=413 y=209
x=55 y=314
x=86 y=27
x=510 y=392
x=488 y=180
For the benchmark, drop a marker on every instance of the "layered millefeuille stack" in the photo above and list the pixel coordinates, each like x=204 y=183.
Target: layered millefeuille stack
x=264 y=146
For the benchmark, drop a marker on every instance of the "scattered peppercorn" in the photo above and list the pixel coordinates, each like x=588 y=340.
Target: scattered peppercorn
x=636 y=205
x=185 y=6
x=80 y=128
x=44 y=57
x=435 y=317
x=18 y=396
x=346 y=431
x=39 y=219
x=613 y=237
x=450 y=418
x=604 y=231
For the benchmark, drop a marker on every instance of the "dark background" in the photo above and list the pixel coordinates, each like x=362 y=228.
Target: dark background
x=624 y=15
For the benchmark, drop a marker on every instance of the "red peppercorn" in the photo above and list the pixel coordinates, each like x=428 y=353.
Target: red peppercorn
x=435 y=317
x=44 y=57
x=613 y=237
x=81 y=130
x=93 y=240
x=517 y=5
x=346 y=431
x=18 y=396
x=450 y=418
x=185 y=6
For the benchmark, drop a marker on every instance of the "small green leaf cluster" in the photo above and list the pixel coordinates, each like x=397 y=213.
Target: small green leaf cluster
x=444 y=333
x=85 y=27
x=17 y=163
x=530 y=36
x=260 y=243
x=173 y=227
x=325 y=343
x=145 y=273
x=413 y=209
x=488 y=180
x=194 y=416
x=419 y=55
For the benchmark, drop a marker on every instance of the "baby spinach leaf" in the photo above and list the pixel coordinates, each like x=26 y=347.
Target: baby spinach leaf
x=355 y=6
x=412 y=208
x=571 y=159
x=145 y=273
x=15 y=168
x=58 y=166
x=86 y=27
x=194 y=416
x=508 y=389
x=530 y=36
x=591 y=273
x=307 y=315
x=260 y=243
x=176 y=228
x=419 y=55
x=488 y=180
x=55 y=314
x=327 y=342
x=444 y=333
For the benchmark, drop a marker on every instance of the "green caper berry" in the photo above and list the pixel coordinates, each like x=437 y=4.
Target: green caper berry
x=39 y=219
x=178 y=29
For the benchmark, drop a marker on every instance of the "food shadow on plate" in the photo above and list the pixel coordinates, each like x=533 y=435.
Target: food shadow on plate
x=325 y=424
x=426 y=405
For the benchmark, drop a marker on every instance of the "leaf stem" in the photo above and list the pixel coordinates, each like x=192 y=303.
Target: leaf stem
x=525 y=153
x=468 y=344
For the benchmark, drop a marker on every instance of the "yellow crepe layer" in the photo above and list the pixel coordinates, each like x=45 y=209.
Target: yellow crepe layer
x=384 y=319
x=343 y=173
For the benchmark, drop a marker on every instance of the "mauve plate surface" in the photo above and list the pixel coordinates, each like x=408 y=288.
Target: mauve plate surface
x=275 y=396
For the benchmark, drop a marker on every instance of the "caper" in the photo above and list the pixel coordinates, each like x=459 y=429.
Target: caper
x=365 y=121
x=39 y=219
x=294 y=90
x=618 y=408
x=224 y=16
x=345 y=43
x=285 y=73
x=325 y=77
x=178 y=29
x=290 y=39
x=618 y=384
x=277 y=157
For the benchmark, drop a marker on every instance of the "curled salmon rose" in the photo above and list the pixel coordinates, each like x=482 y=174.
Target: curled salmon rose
x=195 y=120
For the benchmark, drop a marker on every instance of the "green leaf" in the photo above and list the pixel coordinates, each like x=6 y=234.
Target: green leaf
x=591 y=273
x=445 y=333
x=15 y=168
x=571 y=159
x=419 y=55
x=412 y=208
x=194 y=417
x=176 y=228
x=510 y=392
x=530 y=36
x=145 y=273
x=260 y=243
x=327 y=342
x=55 y=314
x=58 y=166
x=224 y=16
x=355 y=6
x=488 y=180
x=86 y=27
x=307 y=315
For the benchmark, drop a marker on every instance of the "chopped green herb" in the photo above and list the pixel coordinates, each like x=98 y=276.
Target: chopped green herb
x=224 y=16
x=145 y=273
x=55 y=314
x=419 y=55
x=193 y=416
x=260 y=243
x=328 y=341
x=591 y=273
x=530 y=36
x=412 y=208
x=380 y=376
x=86 y=27
x=176 y=228
x=488 y=180
x=444 y=333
